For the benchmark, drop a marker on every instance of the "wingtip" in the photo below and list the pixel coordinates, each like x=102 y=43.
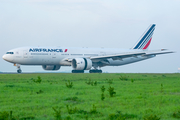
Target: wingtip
x=167 y=50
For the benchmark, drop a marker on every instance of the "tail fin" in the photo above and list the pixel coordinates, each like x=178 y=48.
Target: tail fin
x=146 y=38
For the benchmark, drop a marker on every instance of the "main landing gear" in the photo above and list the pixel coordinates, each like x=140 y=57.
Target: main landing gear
x=77 y=71
x=18 y=68
x=90 y=71
x=95 y=71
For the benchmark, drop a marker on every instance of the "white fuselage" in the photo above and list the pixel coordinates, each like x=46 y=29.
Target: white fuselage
x=59 y=55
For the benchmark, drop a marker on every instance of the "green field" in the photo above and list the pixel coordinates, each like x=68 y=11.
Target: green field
x=136 y=97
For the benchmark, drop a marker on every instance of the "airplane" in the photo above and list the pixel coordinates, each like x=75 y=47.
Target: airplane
x=92 y=59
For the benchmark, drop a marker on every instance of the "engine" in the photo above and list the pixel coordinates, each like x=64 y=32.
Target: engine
x=81 y=64
x=51 y=67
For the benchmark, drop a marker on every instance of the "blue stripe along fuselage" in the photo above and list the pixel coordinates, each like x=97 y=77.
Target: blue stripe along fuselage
x=136 y=47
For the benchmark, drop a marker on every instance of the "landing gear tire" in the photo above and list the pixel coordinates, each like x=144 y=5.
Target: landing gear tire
x=77 y=71
x=19 y=71
x=95 y=71
x=18 y=68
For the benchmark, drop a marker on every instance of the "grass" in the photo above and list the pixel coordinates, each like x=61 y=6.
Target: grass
x=148 y=95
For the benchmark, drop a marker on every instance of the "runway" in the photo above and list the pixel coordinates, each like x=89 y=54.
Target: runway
x=31 y=72
x=16 y=73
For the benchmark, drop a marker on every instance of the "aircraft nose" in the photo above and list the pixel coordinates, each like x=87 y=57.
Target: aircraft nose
x=8 y=58
x=5 y=57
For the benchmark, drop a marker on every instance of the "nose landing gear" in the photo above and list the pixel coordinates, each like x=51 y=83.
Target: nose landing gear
x=18 y=68
x=19 y=71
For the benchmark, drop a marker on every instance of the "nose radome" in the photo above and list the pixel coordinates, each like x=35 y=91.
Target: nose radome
x=8 y=58
x=4 y=57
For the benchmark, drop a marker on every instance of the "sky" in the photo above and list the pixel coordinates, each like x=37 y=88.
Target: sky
x=92 y=23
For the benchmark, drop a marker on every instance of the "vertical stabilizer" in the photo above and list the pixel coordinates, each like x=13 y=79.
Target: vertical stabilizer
x=146 y=38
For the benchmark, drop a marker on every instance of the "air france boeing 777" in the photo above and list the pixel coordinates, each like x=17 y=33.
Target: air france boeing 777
x=52 y=58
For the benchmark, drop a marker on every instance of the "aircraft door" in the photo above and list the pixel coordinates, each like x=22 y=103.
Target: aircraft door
x=53 y=55
x=25 y=54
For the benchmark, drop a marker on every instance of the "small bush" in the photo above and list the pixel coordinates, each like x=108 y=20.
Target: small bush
x=57 y=113
x=176 y=114
x=68 y=118
x=151 y=117
x=163 y=75
x=27 y=118
x=72 y=99
x=93 y=110
x=93 y=83
x=121 y=116
x=123 y=78
x=9 y=85
x=39 y=92
x=38 y=80
x=71 y=110
x=110 y=81
x=88 y=82
x=111 y=91
x=144 y=75
x=103 y=88
x=116 y=117
x=102 y=96
x=162 y=88
x=82 y=112
x=112 y=116
x=69 y=84
x=86 y=117
x=6 y=115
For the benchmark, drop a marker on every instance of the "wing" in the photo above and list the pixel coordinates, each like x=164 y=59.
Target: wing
x=103 y=59
x=129 y=54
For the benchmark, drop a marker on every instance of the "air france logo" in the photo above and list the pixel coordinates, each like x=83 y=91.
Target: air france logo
x=46 y=50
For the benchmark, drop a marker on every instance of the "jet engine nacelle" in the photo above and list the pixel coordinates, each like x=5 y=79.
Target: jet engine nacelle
x=51 y=67
x=81 y=64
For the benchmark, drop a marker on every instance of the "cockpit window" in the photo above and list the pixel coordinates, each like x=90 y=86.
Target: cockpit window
x=10 y=53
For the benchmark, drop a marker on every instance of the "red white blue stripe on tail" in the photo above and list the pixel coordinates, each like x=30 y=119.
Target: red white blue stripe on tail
x=146 y=38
